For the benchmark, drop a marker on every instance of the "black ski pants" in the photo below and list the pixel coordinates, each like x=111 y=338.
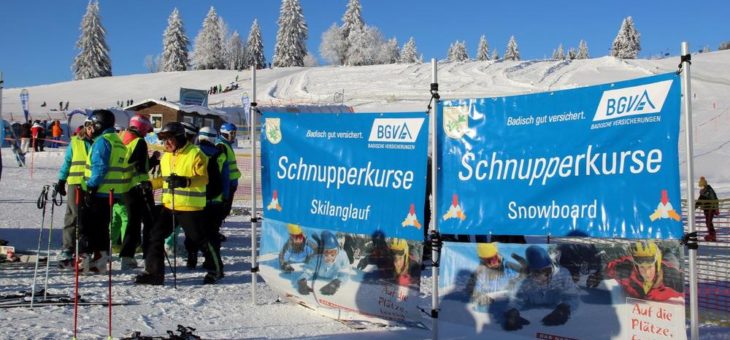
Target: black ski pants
x=140 y=205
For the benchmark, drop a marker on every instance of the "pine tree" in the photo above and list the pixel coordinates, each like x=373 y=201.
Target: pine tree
x=512 y=52
x=93 y=59
x=457 y=51
x=627 y=43
x=366 y=46
x=352 y=24
x=290 y=48
x=333 y=47
x=495 y=55
x=409 y=53
x=237 y=52
x=255 y=47
x=208 y=45
x=558 y=53
x=483 y=49
x=582 y=50
x=390 y=54
x=174 y=45
x=225 y=52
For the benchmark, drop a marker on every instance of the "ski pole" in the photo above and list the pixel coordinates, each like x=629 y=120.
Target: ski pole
x=174 y=241
x=109 y=258
x=75 y=262
x=56 y=200
x=41 y=204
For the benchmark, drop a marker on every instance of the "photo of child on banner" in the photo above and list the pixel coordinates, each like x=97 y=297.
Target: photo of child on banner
x=518 y=290
x=373 y=275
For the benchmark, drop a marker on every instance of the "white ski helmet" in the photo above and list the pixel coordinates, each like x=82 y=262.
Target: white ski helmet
x=207 y=133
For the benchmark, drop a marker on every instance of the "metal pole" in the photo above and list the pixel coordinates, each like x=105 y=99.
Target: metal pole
x=1 y=94
x=434 y=191
x=254 y=263
x=693 y=304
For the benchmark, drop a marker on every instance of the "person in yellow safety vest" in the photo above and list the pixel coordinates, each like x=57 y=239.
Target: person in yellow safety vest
x=72 y=173
x=183 y=182
x=106 y=172
x=214 y=192
x=228 y=136
x=139 y=200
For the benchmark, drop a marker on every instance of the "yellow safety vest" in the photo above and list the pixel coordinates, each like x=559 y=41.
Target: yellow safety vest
x=233 y=172
x=117 y=175
x=182 y=164
x=78 y=161
x=136 y=177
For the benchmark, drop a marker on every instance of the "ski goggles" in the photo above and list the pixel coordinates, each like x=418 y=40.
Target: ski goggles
x=330 y=252
x=400 y=253
x=297 y=237
x=544 y=272
x=645 y=261
x=490 y=261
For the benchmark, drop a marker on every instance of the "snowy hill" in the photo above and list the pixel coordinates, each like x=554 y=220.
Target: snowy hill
x=404 y=87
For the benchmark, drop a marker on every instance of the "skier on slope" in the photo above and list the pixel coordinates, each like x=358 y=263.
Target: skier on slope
x=331 y=265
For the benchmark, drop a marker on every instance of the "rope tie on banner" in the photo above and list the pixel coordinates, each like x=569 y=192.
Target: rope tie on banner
x=682 y=59
x=690 y=240
x=434 y=95
x=436 y=243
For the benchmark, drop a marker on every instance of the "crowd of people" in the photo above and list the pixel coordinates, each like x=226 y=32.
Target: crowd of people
x=109 y=173
x=36 y=135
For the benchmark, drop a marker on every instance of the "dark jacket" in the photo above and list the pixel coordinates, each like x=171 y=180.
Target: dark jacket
x=707 y=200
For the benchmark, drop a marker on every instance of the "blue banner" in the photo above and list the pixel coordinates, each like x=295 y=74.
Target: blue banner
x=24 y=103
x=597 y=161
x=355 y=173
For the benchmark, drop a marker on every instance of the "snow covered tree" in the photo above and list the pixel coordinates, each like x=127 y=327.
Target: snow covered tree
x=255 y=47
x=582 y=50
x=627 y=43
x=290 y=48
x=310 y=60
x=333 y=46
x=174 y=45
x=512 y=52
x=724 y=46
x=483 y=49
x=457 y=51
x=152 y=63
x=389 y=53
x=93 y=59
x=366 y=44
x=495 y=55
x=352 y=19
x=225 y=51
x=208 y=54
x=558 y=53
x=409 y=53
x=236 y=52
x=572 y=53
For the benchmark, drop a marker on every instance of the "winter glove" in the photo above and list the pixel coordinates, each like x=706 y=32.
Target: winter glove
x=303 y=288
x=482 y=299
x=89 y=197
x=558 y=316
x=60 y=187
x=331 y=287
x=513 y=321
x=145 y=186
x=287 y=268
x=175 y=181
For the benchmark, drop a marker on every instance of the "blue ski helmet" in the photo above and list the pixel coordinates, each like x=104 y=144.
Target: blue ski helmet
x=227 y=128
x=329 y=240
x=537 y=257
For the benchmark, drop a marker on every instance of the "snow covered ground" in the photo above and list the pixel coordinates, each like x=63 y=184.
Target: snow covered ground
x=227 y=310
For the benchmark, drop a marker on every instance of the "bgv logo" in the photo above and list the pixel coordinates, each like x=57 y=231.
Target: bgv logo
x=631 y=101
x=400 y=130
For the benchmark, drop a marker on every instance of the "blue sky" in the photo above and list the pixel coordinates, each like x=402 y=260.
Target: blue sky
x=37 y=37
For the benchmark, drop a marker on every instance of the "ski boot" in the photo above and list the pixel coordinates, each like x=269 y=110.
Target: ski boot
x=711 y=237
x=145 y=278
x=65 y=259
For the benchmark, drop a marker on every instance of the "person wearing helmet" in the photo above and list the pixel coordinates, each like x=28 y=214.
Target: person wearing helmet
x=491 y=276
x=546 y=285
x=226 y=138
x=645 y=274
x=184 y=178
x=105 y=174
x=406 y=271
x=214 y=192
x=329 y=265
x=297 y=249
x=709 y=205
x=191 y=131
x=376 y=253
x=72 y=172
x=139 y=200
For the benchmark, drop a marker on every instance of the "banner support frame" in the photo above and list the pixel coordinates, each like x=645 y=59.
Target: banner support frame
x=687 y=103
x=254 y=219
x=434 y=194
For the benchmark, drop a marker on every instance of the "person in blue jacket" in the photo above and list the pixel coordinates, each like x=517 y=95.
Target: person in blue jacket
x=546 y=285
x=331 y=265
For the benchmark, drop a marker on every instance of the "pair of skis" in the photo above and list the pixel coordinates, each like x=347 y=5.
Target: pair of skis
x=41 y=299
